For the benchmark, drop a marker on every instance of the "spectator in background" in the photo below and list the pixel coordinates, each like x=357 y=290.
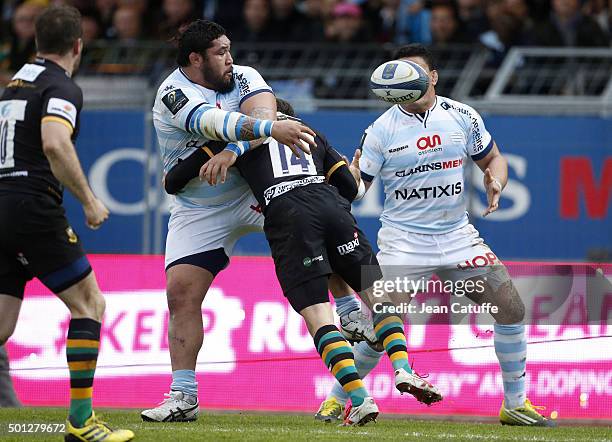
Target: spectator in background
x=567 y=26
x=327 y=9
x=22 y=45
x=600 y=12
x=256 y=22
x=400 y=21
x=504 y=32
x=315 y=13
x=176 y=13
x=444 y=26
x=105 y=10
x=472 y=17
x=347 y=25
x=386 y=22
x=91 y=29
x=144 y=21
x=519 y=9
x=288 y=24
x=127 y=23
x=412 y=22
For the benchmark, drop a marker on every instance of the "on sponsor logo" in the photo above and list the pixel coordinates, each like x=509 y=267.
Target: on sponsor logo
x=428 y=142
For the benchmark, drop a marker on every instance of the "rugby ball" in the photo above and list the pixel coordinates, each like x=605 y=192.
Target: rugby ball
x=399 y=81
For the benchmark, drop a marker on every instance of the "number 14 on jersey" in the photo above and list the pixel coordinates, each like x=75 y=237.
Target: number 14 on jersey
x=286 y=163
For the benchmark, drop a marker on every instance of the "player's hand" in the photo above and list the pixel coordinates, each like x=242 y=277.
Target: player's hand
x=95 y=213
x=294 y=135
x=494 y=189
x=354 y=166
x=216 y=166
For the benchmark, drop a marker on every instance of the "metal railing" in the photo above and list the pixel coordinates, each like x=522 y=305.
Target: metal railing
x=552 y=80
x=530 y=80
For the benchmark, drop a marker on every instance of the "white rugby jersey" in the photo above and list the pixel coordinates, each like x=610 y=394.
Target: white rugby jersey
x=421 y=161
x=177 y=101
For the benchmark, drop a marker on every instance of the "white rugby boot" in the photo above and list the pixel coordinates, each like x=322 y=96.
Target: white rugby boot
x=176 y=407
x=361 y=415
x=412 y=383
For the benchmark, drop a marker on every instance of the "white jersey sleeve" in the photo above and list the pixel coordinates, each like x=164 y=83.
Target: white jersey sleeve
x=249 y=82
x=372 y=156
x=177 y=104
x=479 y=140
x=198 y=117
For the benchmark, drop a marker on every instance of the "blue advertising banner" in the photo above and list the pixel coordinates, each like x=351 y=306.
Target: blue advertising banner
x=556 y=205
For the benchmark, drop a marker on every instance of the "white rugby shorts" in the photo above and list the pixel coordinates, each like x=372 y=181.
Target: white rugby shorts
x=456 y=255
x=197 y=230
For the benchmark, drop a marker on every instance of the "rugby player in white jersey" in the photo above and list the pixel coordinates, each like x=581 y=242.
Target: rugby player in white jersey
x=195 y=104
x=420 y=151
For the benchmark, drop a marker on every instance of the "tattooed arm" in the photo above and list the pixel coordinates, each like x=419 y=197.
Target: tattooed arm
x=217 y=124
x=261 y=106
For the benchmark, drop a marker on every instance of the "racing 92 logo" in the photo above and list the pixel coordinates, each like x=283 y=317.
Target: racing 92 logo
x=429 y=144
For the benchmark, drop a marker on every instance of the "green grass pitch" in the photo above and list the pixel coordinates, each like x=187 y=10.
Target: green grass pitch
x=274 y=427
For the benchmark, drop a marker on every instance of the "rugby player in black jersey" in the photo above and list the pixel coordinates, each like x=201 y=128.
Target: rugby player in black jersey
x=312 y=234
x=39 y=121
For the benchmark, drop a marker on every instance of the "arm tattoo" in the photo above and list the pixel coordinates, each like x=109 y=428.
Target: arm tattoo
x=262 y=113
x=247 y=129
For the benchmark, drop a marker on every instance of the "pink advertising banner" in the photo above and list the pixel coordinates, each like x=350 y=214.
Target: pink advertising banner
x=258 y=355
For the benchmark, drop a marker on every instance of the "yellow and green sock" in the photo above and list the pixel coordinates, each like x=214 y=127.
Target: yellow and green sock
x=82 y=354
x=338 y=356
x=389 y=329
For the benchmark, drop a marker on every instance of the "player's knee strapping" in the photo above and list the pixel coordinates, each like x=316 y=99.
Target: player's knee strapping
x=389 y=329
x=338 y=356
x=511 y=350
x=82 y=354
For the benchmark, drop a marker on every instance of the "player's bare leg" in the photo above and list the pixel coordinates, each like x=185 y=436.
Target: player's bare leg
x=510 y=346
x=186 y=288
x=84 y=299
x=9 y=312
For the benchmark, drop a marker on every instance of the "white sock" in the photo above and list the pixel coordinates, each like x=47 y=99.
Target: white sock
x=511 y=350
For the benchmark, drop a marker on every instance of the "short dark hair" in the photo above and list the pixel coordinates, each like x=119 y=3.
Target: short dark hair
x=197 y=37
x=415 y=50
x=57 y=28
x=284 y=107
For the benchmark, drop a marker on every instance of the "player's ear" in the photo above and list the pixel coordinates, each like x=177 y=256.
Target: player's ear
x=77 y=47
x=433 y=76
x=196 y=59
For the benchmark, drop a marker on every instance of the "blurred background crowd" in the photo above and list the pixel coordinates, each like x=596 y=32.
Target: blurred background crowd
x=495 y=24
